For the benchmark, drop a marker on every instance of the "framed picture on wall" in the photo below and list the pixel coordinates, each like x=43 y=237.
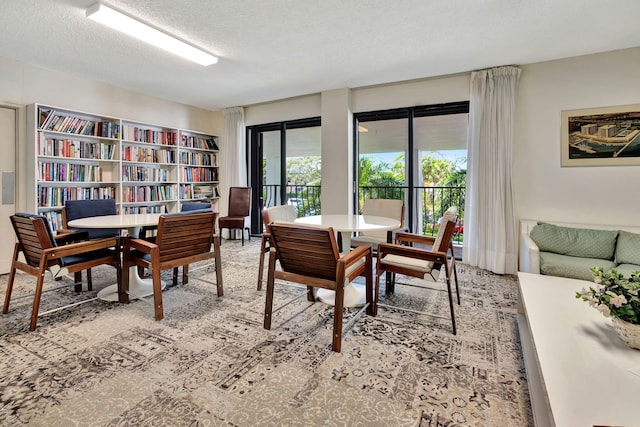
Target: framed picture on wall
x=607 y=136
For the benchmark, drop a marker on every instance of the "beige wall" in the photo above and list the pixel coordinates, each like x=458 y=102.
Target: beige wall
x=22 y=84
x=544 y=190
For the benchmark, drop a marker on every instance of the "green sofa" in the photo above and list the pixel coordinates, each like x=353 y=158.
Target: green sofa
x=571 y=250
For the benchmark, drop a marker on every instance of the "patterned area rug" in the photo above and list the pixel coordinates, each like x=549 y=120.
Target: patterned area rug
x=209 y=362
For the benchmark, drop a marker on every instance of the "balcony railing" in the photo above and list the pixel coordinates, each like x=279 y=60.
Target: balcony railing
x=430 y=202
x=305 y=198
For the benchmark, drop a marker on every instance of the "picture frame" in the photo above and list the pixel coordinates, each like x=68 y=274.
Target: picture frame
x=606 y=136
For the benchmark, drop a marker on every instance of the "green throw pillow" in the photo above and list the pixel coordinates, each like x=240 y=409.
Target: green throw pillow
x=577 y=242
x=628 y=248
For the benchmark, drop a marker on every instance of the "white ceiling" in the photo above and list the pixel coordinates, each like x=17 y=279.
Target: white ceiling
x=274 y=49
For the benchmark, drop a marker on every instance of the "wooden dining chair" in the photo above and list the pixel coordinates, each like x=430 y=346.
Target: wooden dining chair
x=239 y=207
x=183 y=238
x=422 y=257
x=41 y=252
x=387 y=208
x=309 y=255
x=77 y=209
x=274 y=213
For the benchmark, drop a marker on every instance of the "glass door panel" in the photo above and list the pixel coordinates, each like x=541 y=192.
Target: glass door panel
x=382 y=159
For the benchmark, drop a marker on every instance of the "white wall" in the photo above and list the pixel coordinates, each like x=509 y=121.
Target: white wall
x=336 y=108
x=22 y=84
x=544 y=190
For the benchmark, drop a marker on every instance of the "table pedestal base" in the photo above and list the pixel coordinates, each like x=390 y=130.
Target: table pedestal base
x=138 y=287
x=354 y=295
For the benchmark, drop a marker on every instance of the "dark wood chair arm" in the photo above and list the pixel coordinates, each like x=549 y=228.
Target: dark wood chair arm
x=66 y=235
x=80 y=248
x=354 y=255
x=408 y=251
x=413 y=238
x=139 y=244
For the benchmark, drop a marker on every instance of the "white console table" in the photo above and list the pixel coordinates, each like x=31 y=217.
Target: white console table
x=579 y=370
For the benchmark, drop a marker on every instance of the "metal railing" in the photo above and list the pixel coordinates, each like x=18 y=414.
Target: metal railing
x=305 y=198
x=430 y=202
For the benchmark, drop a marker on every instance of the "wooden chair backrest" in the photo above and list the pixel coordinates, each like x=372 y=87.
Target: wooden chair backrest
x=239 y=201
x=308 y=251
x=34 y=237
x=185 y=234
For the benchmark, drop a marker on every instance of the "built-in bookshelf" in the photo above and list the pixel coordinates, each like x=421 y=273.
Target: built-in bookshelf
x=149 y=169
x=145 y=168
x=199 y=172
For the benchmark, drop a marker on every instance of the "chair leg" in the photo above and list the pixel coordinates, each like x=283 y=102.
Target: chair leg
x=36 y=300
x=218 y=266
x=157 y=292
x=453 y=316
x=455 y=276
x=185 y=274
x=268 y=304
x=89 y=280
x=242 y=233
x=371 y=301
x=336 y=343
x=263 y=249
x=376 y=296
x=175 y=276
x=7 y=295
x=77 y=278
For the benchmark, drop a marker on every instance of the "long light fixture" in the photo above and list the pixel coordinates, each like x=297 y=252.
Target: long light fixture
x=128 y=25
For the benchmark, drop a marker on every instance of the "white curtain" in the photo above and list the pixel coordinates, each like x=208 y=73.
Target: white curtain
x=489 y=217
x=234 y=157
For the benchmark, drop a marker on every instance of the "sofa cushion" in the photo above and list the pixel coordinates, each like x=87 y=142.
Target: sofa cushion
x=576 y=242
x=554 y=264
x=628 y=248
x=627 y=269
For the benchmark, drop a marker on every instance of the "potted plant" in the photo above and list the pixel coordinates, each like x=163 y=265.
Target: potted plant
x=618 y=297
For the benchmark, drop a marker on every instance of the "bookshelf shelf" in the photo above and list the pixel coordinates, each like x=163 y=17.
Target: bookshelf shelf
x=146 y=168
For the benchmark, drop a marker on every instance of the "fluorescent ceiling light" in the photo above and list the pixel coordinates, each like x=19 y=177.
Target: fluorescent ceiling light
x=128 y=25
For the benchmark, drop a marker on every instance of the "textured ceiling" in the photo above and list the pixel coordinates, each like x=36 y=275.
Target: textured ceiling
x=276 y=49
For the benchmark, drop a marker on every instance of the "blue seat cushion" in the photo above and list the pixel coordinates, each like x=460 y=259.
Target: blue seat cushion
x=77 y=209
x=195 y=206
x=75 y=259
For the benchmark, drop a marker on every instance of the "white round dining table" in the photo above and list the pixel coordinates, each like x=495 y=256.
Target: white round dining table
x=138 y=287
x=345 y=224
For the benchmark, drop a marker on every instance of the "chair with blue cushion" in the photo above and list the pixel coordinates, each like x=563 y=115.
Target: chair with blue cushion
x=183 y=238
x=146 y=232
x=41 y=252
x=77 y=209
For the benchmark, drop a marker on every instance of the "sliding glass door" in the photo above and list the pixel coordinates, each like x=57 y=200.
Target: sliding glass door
x=416 y=154
x=285 y=167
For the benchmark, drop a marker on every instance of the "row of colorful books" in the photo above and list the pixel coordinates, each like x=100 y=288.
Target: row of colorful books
x=71 y=148
x=57 y=196
x=68 y=172
x=148 y=193
x=148 y=155
x=143 y=173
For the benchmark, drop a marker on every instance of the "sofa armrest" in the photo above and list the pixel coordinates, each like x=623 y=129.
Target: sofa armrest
x=529 y=255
